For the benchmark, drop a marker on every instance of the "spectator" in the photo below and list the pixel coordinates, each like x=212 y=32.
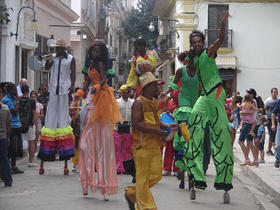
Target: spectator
x=261 y=138
x=22 y=82
x=15 y=138
x=234 y=121
x=275 y=112
x=268 y=105
x=40 y=116
x=4 y=141
x=247 y=110
x=43 y=98
x=3 y=86
x=28 y=118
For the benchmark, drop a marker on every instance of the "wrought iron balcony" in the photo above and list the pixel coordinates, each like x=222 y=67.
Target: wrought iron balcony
x=213 y=34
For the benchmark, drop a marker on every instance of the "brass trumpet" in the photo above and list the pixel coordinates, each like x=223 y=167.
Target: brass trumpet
x=47 y=57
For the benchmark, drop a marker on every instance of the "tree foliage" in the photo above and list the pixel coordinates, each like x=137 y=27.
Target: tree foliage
x=138 y=20
x=4 y=15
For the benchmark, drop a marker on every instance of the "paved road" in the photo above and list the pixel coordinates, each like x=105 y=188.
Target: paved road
x=54 y=191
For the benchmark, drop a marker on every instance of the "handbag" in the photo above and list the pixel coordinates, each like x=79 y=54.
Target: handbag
x=123 y=127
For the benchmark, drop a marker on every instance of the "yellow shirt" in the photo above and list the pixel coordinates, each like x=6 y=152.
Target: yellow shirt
x=152 y=119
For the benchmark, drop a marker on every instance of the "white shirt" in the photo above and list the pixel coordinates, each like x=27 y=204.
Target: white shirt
x=125 y=108
x=64 y=79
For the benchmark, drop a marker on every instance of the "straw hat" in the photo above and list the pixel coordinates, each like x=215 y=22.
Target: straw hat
x=146 y=79
x=60 y=43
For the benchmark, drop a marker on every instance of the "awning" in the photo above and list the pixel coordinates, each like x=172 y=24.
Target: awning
x=226 y=62
x=164 y=64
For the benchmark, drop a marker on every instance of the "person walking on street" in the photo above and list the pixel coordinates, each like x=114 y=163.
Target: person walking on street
x=40 y=116
x=96 y=146
x=4 y=142
x=28 y=118
x=275 y=112
x=209 y=108
x=122 y=133
x=268 y=105
x=147 y=133
x=56 y=135
x=11 y=100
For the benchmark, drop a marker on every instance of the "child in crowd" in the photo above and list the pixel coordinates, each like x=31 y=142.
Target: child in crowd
x=261 y=138
x=234 y=121
x=4 y=142
x=40 y=115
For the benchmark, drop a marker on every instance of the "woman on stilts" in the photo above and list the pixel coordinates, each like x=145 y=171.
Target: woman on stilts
x=186 y=82
x=96 y=146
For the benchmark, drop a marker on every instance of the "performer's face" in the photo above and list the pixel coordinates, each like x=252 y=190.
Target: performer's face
x=140 y=50
x=197 y=44
x=152 y=88
x=96 y=52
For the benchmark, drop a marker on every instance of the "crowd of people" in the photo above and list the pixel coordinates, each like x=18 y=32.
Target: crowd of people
x=107 y=134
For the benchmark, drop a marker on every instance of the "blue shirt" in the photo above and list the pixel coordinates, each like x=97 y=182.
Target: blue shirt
x=261 y=130
x=11 y=103
x=276 y=110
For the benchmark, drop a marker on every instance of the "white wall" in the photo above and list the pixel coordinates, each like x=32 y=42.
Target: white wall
x=256 y=43
x=76 y=7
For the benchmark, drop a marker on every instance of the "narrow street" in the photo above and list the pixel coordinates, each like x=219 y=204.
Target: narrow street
x=53 y=190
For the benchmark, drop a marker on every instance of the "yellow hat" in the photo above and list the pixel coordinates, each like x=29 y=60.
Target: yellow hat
x=146 y=79
x=123 y=88
x=60 y=43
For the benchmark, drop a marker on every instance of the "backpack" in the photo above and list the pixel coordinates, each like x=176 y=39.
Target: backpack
x=25 y=114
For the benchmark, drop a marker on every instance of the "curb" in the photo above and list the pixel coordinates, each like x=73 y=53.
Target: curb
x=267 y=197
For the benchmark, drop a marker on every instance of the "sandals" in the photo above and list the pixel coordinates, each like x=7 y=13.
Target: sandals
x=247 y=162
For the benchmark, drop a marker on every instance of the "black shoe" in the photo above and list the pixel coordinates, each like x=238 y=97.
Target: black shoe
x=133 y=180
x=130 y=204
x=15 y=170
x=270 y=153
x=276 y=164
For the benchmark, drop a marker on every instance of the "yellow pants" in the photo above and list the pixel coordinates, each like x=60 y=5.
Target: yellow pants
x=148 y=164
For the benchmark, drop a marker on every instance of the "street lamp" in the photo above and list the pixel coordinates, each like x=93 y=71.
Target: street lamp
x=168 y=20
x=33 y=25
x=51 y=42
x=152 y=27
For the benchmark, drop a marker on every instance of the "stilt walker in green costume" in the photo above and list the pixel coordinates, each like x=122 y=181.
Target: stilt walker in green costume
x=188 y=94
x=209 y=107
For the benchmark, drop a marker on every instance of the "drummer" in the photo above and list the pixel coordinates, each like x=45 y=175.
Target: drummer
x=146 y=151
x=122 y=135
x=169 y=162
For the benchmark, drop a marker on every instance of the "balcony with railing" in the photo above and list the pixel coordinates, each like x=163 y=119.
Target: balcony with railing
x=213 y=34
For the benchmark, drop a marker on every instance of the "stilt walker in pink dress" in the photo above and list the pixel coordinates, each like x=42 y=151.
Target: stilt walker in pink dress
x=96 y=147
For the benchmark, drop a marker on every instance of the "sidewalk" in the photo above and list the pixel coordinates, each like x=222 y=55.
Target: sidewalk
x=266 y=174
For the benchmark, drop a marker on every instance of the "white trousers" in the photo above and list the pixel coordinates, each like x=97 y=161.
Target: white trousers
x=57 y=115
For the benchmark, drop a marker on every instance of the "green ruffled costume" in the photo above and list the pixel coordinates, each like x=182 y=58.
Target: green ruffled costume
x=209 y=107
x=187 y=97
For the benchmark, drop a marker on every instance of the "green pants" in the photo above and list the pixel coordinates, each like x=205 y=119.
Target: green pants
x=210 y=108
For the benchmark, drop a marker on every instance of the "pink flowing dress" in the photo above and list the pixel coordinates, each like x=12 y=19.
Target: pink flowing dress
x=97 y=149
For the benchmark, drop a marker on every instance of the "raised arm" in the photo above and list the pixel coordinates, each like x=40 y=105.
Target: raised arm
x=212 y=50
